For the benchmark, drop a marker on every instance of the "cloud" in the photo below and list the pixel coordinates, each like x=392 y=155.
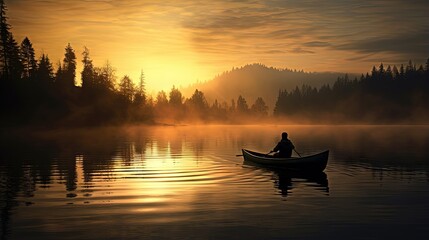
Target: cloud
x=411 y=43
x=228 y=33
x=300 y=50
x=316 y=44
x=362 y=26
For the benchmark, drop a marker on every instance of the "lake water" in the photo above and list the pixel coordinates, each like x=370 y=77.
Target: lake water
x=186 y=182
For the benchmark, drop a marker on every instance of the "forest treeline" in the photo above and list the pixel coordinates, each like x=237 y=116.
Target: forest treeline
x=33 y=93
x=258 y=80
x=386 y=95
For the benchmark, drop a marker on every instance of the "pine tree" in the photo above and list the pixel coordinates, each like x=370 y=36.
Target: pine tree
x=87 y=73
x=176 y=98
x=14 y=60
x=374 y=73
x=4 y=35
x=395 y=72
x=259 y=107
x=105 y=78
x=401 y=72
x=140 y=97
x=10 y=64
x=126 y=88
x=198 y=101
x=161 y=100
x=389 y=73
x=69 y=69
x=142 y=89
x=28 y=60
x=242 y=106
x=44 y=72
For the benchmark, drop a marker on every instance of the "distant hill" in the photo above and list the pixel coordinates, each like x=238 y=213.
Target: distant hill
x=257 y=80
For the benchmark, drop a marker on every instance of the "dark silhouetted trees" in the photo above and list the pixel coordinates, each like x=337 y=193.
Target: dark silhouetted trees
x=10 y=64
x=198 y=101
x=242 y=106
x=4 y=35
x=66 y=79
x=175 y=102
x=44 y=72
x=31 y=94
x=175 y=97
x=197 y=106
x=88 y=73
x=140 y=97
x=161 y=100
x=4 y=42
x=127 y=88
x=28 y=60
x=386 y=95
x=259 y=108
x=105 y=78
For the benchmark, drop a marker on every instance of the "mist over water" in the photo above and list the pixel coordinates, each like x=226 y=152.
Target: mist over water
x=178 y=182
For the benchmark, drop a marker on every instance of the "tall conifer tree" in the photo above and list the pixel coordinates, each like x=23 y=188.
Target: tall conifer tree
x=10 y=63
x=88 y=79
x=28 y=60
x=69 y=68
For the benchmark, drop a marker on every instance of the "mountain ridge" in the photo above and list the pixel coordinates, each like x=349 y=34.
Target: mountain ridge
x=258 y=80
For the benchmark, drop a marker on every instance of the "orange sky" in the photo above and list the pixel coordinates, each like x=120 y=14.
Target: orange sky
x=181 y=42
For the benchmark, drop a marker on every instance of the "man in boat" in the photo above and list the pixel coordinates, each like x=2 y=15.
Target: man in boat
x=284 y=147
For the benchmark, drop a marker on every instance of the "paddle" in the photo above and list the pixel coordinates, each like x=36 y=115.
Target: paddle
x=297 y=152
x=240 y=155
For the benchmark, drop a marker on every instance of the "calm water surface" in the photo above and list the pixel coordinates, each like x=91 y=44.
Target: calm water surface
x=186 y=183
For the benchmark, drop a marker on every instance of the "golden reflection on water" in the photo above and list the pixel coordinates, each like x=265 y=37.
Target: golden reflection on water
x=185 y=176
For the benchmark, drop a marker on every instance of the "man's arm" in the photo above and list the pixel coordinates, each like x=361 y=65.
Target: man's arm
x=276 y=148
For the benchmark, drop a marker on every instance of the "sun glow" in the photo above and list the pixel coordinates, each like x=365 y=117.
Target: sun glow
x=164 y=72
x=164 y=54
x=182 y=42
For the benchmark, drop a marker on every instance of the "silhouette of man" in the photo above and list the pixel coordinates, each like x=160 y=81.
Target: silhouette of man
x=284 y=147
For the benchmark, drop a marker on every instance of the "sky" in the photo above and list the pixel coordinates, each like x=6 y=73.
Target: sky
x=181 y=42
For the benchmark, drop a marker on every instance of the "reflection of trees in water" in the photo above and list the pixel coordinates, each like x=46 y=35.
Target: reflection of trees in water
x=162 y=145
x=28 y=162
x=19 y=175
x=160 y=140
x=174 y=140
x=126 y=152
x=10 y=185
x=176 y=148
x=66 y=165
x=140 y=143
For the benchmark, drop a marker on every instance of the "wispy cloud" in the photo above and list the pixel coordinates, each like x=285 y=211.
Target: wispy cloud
x=216 y=35
x=410 y=43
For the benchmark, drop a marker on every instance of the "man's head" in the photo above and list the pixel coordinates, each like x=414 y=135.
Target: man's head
x=284 y=135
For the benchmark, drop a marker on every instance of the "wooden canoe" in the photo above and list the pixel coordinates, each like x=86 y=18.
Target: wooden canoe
x=315 y=163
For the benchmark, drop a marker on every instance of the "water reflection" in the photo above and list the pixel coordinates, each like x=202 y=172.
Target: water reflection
x=170 y=175
x=286 y=180
x=31 y=163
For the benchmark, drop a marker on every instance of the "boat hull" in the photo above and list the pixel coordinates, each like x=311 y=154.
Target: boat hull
x=316 y=162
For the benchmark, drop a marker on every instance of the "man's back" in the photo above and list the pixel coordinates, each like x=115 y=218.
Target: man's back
x=285 y=148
